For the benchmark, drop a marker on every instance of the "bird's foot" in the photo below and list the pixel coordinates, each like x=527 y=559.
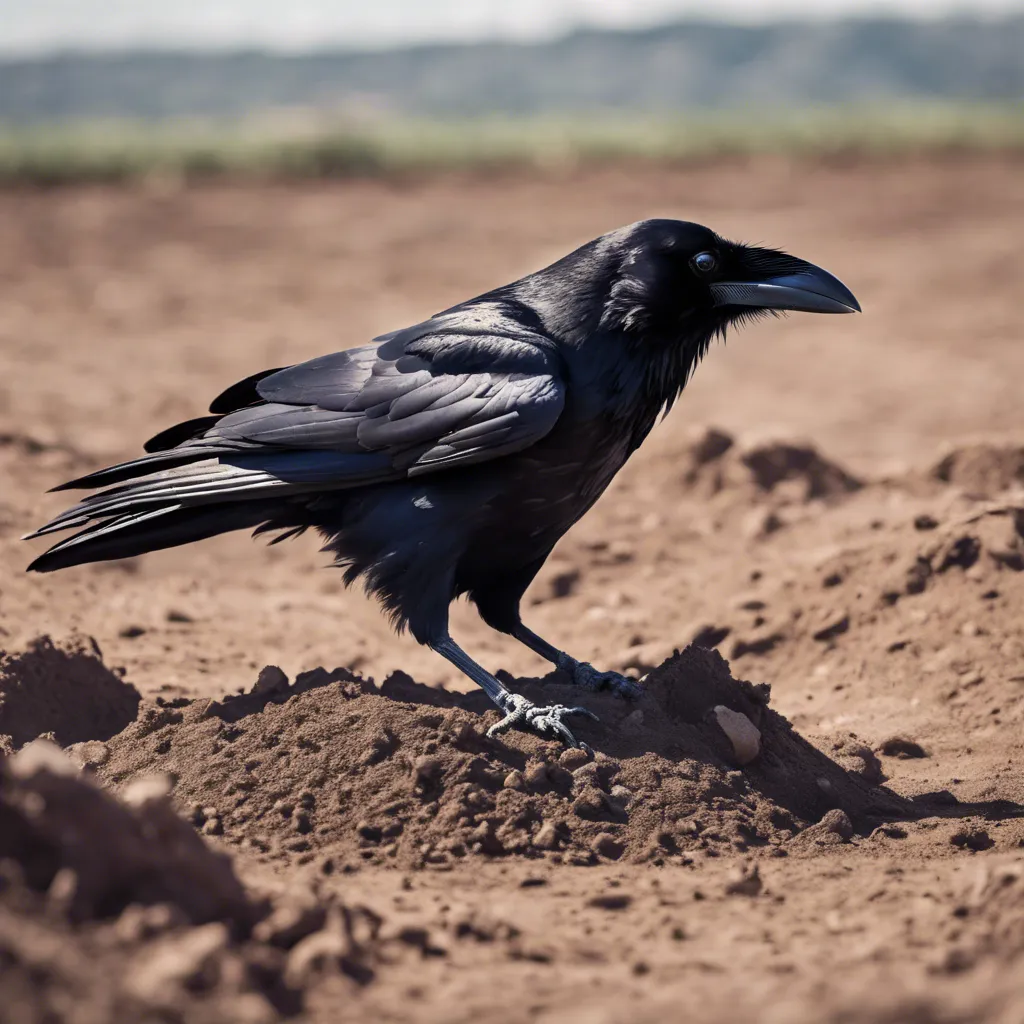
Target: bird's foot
x=545 y=721
x=587 y=677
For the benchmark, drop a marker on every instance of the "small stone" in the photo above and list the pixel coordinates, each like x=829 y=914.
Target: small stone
x=514 y=780
x=607 y=846
x=743 y=734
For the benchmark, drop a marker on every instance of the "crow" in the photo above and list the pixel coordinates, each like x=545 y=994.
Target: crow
x=448 y=458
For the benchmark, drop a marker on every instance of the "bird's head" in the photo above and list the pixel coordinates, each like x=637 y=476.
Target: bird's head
x=671 y=278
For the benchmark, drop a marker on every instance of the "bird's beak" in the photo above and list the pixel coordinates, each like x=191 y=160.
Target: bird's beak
x=810 y=289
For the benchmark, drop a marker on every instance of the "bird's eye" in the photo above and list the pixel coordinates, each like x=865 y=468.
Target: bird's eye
x=705 y=262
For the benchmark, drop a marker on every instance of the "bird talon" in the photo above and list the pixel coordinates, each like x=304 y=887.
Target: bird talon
x=544 y=721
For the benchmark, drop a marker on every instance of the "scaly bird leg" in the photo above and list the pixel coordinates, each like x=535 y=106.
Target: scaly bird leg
x=581 y=673
x=518 y=711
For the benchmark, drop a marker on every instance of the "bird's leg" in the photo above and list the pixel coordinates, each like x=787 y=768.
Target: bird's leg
x=518 y=711
x=580 y=672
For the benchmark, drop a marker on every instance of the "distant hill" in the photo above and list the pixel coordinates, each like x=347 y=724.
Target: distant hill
x=676 y=67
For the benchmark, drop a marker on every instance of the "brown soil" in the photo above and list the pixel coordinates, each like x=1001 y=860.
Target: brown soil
x=340 y=849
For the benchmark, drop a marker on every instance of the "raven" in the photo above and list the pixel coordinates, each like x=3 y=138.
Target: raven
x=448 y=458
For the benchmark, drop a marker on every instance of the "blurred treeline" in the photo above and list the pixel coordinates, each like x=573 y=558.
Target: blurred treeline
x=671 y=91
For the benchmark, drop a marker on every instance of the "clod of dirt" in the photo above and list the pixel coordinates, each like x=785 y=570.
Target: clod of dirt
x=858 y=758
x=792 y=470
x=334 y=770
x=65 y=690
x=744 y=880
x=982 y=469
x=115 y=909
x=834 y=829
x=973 y=838
x=902 y=747
x=110 y=852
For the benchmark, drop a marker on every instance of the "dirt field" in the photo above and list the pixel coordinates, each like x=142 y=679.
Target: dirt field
x=836 y=504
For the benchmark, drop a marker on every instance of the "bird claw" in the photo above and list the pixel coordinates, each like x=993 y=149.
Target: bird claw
x=587 y=677
x=544 y=721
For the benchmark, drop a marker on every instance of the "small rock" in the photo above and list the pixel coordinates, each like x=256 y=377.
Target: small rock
x=744 y=880
x=514 y=780
x=607 y=846
x=743 y=734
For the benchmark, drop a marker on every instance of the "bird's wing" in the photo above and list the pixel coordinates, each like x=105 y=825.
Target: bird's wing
x=464 y=387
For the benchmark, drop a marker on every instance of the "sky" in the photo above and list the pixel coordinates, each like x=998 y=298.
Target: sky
x=35 y=26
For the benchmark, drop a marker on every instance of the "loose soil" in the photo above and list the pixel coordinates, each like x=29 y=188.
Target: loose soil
x=268 y=807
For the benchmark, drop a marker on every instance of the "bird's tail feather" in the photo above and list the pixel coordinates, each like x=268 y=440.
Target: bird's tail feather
x=186 y=503
x=155 y=528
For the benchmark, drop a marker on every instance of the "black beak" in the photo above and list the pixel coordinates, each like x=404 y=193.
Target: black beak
x=808 y=289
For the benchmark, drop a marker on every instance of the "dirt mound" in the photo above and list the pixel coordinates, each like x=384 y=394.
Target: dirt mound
x=116 y=909
x=336 y=770
x=982 y=469
x=63 y=690
x=786 y=470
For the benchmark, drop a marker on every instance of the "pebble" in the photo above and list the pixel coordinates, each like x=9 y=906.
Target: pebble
x=743 y=734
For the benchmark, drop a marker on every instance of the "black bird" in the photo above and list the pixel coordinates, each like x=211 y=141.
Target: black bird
x=450 y=457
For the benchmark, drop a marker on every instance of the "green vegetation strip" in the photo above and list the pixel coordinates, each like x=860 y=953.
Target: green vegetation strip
x=283 y=150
